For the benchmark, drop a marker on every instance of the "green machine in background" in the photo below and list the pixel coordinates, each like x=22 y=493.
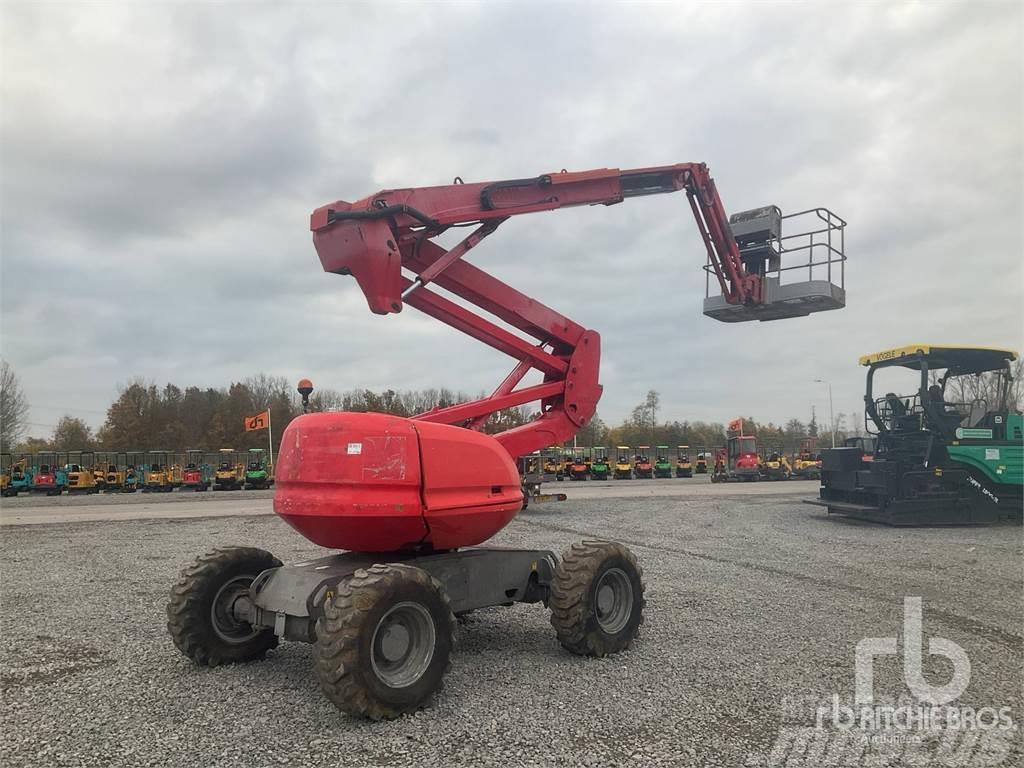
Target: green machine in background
x=662 y=463
x=600 y=467
x=257 y=472
x=940 y=459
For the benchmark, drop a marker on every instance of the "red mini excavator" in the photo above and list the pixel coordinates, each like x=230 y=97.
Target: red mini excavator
x=410 y=498
x=738 y=461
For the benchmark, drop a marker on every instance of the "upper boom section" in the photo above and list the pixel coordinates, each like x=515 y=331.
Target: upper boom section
x=363 y=238
x=375 y=238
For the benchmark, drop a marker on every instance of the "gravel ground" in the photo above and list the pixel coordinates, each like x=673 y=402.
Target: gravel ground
x=753 y=601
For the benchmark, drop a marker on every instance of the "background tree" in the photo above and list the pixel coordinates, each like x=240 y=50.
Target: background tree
x=13 y=407
x=983 y=389
x=227 y=430
x=72 y=434
x=652 y=403
x=593 y=433
x=323 y=400
x=838 y=428
x=267 y=390
x=131 y=418
x=793 y=433
x=641 y=427
x=198 y=407
x=856 y=428
x=31 y=445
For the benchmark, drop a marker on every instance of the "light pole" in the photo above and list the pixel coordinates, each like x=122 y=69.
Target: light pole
x=831 y=414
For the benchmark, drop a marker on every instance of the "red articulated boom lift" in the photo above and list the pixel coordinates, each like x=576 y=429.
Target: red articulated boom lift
x=411 y=498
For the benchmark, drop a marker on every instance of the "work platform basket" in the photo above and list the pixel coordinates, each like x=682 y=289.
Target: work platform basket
x=803 y=272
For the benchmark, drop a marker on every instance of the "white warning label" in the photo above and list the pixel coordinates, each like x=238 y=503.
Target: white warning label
x=355 y=448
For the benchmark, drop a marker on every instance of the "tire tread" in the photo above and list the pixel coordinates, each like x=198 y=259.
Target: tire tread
x=188 y=615
x=569 y=597
x=338 y=631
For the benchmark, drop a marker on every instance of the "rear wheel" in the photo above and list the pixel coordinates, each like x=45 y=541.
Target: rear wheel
x=384 y=641
x=597 y=598
x=206 y=605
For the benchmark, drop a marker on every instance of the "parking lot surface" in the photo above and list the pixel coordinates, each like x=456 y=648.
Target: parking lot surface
x=755 y=603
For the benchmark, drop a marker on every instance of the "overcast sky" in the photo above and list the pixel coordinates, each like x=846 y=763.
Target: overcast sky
x=159 y=163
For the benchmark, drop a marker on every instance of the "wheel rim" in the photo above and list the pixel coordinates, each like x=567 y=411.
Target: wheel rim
x=227 y=626
x=614 y=600
x=403 y=645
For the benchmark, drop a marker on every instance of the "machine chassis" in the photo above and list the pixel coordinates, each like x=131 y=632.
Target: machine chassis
x=290 y=599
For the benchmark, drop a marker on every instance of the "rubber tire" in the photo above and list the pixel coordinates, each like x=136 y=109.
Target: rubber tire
x=573 y=598
x=344 y=635
x=188 y=610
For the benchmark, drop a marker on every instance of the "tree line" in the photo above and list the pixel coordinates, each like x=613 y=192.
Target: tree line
x=145 y=416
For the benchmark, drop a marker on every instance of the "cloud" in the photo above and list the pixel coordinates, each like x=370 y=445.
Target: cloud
x=160 y=163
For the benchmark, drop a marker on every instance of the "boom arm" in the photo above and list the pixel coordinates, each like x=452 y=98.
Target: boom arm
x=374 y=238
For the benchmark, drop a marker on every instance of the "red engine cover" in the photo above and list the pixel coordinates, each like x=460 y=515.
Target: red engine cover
x=371 y=482
x=746 y=461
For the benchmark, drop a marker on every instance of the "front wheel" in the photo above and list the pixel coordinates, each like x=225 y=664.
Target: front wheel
x=384 y=641
x=204 y=614
x=597 y=598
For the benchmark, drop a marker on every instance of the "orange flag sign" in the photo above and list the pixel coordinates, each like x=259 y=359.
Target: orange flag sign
x=736 y=425
x=259 y=421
